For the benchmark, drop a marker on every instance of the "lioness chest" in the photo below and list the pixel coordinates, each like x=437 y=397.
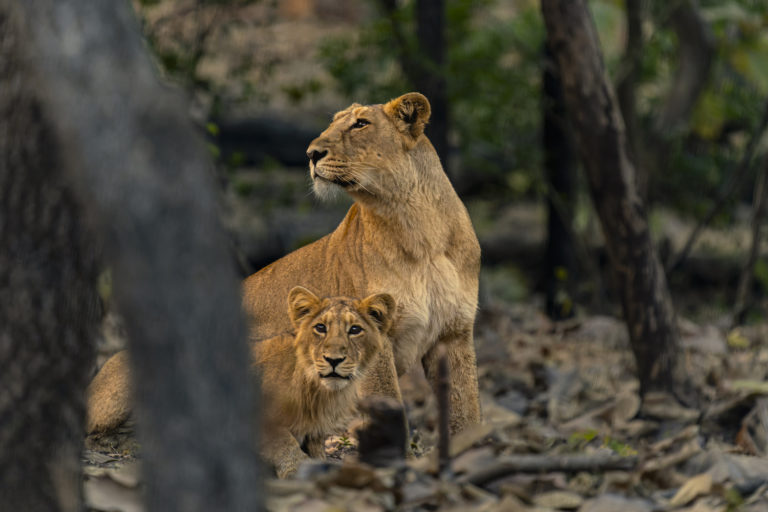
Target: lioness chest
x=436 y=299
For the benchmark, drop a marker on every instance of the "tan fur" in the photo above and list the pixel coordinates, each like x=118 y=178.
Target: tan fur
x=109 y=396
x=300 y=405
x=407 y=234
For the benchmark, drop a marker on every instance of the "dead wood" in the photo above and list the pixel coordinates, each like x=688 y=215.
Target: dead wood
x=548 y=463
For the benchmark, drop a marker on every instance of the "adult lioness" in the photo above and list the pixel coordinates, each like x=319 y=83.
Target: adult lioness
x=407 y=234
x=309 y=378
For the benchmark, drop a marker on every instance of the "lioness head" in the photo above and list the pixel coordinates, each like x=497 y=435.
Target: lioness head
x=365 y=144
x=336 y=338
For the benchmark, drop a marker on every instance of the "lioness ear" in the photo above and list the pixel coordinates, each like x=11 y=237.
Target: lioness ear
x=301 y=302
x=380 y=308
x=410 y=113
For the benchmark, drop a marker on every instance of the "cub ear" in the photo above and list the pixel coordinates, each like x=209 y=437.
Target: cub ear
x=301 y=302
x=380 y=308
x=410 y=113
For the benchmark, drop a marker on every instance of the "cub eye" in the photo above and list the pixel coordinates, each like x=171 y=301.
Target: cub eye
x=360 y=123
x=355 y=329
x=320 y=328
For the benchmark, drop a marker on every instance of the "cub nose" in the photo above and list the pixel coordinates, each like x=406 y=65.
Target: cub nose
x=334 y=361
x=315 y=155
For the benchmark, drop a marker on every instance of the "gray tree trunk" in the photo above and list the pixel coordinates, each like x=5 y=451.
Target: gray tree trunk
x=48 y=303
x=599 y=130
x=143 y=177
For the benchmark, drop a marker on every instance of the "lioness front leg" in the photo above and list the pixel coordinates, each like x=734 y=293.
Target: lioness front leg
x=281 y=449
x=462 y=367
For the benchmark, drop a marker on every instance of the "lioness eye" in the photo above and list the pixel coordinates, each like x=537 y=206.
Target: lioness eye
x=360 y=123
x=320 y=328
x=355 y=329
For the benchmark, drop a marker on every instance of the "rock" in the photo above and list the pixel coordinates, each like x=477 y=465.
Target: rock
x=383 y=440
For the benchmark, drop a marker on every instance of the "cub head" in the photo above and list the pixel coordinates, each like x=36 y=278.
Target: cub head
x=338 y=337
x=366 y=144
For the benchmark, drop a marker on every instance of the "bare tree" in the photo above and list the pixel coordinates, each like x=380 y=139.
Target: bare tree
x=599 y=131
x=143 y=178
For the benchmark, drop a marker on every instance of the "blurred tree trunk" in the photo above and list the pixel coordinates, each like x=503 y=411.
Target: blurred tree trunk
x=143 y=177
x=629 y=72
x=599 y=130
x=559 y=167
x=48 y=303
x=430 y=78
x=424 y=67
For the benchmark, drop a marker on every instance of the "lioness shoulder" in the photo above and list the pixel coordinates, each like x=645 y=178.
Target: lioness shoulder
x=310 y=377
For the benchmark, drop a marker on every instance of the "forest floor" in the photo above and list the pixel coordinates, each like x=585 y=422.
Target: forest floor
x=550 y=392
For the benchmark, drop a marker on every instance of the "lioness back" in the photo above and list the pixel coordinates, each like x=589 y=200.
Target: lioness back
x=310 y=377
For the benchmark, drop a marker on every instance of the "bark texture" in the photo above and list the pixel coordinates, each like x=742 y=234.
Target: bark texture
x=599 y=132
x=48 y=303
x=143 y=174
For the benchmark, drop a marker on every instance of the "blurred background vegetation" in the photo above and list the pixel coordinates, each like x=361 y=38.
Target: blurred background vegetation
x=266 y=76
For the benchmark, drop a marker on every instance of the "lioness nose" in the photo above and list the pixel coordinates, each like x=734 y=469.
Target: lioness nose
x=315 y=155
x=334 y=361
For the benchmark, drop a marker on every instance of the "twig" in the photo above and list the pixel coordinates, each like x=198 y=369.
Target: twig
x=547 y=463
x=727 y=191
x=443 y=409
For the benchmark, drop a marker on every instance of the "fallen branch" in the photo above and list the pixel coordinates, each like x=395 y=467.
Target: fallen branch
x=547 y=463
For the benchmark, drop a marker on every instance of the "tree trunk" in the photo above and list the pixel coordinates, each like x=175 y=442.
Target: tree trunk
x=629 y=72
x=599 y=130
x=559 y=166
x=144 y=177
x=48 y=303
x=430 y=81
x=424 y=65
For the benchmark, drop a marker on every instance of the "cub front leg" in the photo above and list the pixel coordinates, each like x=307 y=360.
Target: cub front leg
x=381 y=377
x=462 y=368
x=315 y=446
x=282 y=451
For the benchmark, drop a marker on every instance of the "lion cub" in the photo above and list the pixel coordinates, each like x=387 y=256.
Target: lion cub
x=310 y=376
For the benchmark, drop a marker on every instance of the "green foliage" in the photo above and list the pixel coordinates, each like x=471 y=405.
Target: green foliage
x=492 y=75
x=579 y=440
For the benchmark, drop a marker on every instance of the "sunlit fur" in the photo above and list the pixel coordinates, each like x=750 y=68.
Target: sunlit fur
x=303 y=403
x=407 y=234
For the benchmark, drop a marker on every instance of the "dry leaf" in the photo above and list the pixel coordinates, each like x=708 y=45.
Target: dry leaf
x=697 y=486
